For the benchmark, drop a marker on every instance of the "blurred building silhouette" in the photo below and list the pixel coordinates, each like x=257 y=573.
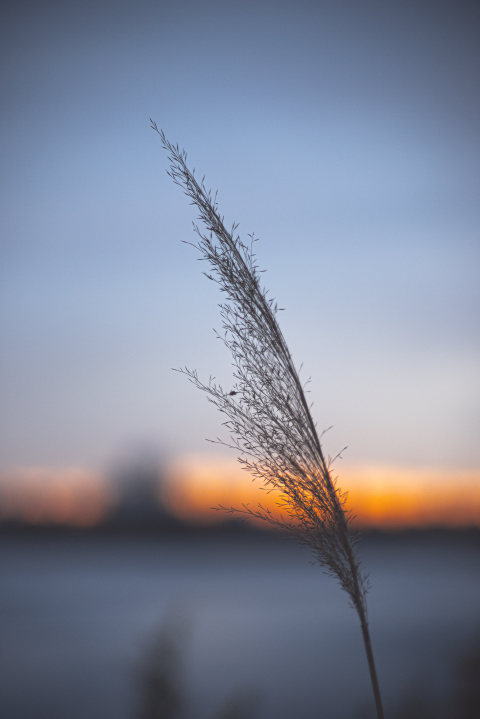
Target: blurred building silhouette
x=138 y=486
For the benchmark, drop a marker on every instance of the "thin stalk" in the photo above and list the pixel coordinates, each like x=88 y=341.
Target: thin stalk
x=371 y=665
x=361 y=607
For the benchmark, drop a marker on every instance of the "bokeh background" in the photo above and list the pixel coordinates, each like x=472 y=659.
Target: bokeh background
x=346 y=136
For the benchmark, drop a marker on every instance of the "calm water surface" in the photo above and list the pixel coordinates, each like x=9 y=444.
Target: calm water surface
x=255 y=620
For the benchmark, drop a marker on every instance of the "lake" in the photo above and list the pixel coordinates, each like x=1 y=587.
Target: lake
x=236 y=626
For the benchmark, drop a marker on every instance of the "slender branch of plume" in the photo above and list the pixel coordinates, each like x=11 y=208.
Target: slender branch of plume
x=268 y=418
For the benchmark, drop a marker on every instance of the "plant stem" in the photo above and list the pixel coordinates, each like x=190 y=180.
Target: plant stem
x=371 y=665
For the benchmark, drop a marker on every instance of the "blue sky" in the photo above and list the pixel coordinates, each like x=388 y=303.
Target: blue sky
x=345 y=135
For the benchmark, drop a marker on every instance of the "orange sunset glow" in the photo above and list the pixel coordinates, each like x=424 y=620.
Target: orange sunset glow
x=45 y=495
x=379 y=497
x=382 y=497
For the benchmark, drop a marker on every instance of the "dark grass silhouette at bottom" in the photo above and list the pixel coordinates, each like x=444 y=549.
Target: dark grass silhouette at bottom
x=162 y=686
x=161 y=680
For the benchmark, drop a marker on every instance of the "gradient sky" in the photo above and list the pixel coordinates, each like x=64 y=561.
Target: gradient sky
x=346 y=135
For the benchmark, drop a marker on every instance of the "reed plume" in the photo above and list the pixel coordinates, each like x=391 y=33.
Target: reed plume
x=268 y=417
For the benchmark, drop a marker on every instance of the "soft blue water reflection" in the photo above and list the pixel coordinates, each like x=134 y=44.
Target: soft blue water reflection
x=77 y=614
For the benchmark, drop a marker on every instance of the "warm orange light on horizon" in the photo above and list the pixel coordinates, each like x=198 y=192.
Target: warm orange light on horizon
x=380 y=497
x=400 y=497
x=197 y=484
x=45 y=495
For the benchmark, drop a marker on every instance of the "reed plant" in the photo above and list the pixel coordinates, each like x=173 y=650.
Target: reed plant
x=268 y=417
